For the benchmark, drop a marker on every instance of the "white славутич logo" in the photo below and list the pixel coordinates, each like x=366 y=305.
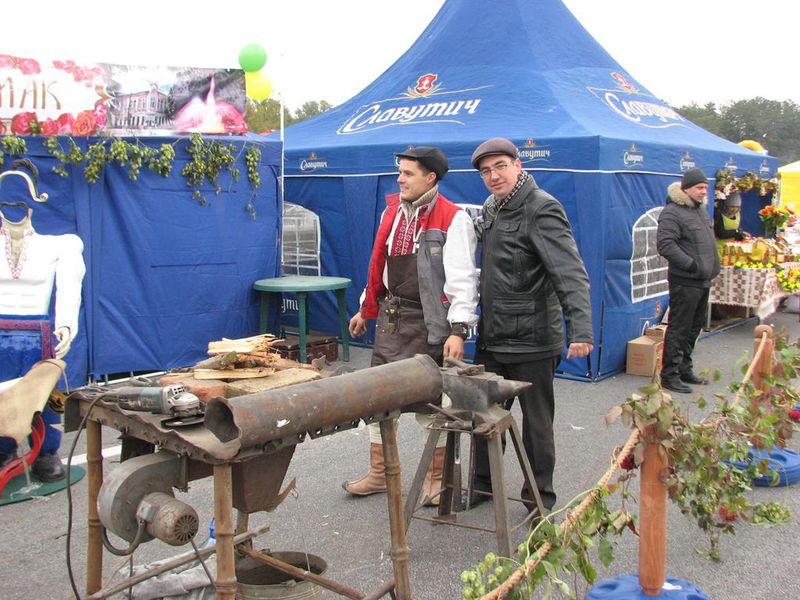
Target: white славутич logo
x=640 y=111
x=312 y=163
x=385 y=113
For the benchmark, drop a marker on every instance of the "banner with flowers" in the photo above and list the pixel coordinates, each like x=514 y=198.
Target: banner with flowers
x=61 y=97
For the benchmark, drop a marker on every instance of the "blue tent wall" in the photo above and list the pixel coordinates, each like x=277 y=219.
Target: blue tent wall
x=165 y=274
x=592 y=136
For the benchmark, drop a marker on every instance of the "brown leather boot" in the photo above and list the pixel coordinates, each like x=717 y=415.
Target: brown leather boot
x=374 y=482
x=433 y=479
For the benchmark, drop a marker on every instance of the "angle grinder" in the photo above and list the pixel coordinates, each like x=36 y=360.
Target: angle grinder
x=183 y=407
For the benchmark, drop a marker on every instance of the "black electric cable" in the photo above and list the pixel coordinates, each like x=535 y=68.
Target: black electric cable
x=141 y=525
x=202 y=562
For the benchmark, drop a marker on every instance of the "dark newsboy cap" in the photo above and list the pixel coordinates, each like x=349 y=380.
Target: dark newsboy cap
x=430 y=157
x=692 y=177
x=494 y=146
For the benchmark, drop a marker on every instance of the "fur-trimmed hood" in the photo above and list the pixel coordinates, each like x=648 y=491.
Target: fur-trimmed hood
x=678 y=196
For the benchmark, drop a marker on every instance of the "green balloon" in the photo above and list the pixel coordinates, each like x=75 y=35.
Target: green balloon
x=252 y=57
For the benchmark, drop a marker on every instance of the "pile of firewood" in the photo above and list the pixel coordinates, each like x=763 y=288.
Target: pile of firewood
x=246 y=358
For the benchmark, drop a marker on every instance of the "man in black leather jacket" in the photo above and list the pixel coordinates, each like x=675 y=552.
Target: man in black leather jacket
x=685 y=238
x=532 y=280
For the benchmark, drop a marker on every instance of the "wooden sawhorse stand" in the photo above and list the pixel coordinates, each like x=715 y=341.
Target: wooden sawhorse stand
x=489 y=425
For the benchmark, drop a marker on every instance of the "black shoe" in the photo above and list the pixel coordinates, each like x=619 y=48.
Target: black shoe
x=48 y=468
x=676 y=385
x=693 y=378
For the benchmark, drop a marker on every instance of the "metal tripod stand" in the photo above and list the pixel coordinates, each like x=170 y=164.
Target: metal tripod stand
x=476 y=412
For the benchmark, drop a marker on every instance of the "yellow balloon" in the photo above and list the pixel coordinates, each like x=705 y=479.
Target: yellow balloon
x=753 y=145
x=258 y=85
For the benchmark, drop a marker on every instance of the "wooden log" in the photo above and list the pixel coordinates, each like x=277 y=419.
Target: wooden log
x=764 y=367
x=652 y=522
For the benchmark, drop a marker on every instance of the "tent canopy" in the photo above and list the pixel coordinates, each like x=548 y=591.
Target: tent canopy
x=527 y=70
x=790 y=185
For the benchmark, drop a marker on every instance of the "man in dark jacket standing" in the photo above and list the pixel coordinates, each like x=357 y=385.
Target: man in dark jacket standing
x=532 y=279
x=686 y=239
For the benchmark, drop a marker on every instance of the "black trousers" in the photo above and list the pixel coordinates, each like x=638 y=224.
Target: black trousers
x=688 y=307
x=538 y=409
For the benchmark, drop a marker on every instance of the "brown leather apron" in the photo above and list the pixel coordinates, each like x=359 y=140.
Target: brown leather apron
x=400 y=331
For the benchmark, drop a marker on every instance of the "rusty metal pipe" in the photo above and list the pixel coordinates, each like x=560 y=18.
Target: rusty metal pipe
x=324 y=406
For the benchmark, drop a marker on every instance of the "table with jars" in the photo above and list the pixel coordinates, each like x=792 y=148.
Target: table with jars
x=756 y=274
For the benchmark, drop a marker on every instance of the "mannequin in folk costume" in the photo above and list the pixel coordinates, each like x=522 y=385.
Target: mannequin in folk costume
x=30 y=264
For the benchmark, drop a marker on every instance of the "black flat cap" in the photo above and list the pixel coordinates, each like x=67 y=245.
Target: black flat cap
x=430 y=157
x=492 y=147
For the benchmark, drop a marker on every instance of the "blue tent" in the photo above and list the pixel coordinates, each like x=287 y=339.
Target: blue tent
x=164 y=274
x=591 y=135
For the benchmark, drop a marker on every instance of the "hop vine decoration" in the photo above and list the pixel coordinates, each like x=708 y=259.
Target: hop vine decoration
x=208 y=160
x=123 y=153
x=252 y=158
x=12 y=145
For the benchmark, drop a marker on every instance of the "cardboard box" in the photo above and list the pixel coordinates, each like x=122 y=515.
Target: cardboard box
x=657 y=331
x=644 y=356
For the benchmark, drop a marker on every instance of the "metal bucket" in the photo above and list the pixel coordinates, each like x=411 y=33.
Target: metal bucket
x=257 y=581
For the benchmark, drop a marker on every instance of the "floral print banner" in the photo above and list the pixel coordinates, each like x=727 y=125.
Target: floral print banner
x=62 y=97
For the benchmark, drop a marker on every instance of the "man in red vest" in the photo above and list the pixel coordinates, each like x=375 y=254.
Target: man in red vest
x=422 y=287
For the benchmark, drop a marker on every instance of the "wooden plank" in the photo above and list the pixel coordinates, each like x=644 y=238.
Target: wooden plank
x=276 y=380
x=232 y=373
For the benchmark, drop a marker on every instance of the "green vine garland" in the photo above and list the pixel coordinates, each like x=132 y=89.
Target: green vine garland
x=208 y=159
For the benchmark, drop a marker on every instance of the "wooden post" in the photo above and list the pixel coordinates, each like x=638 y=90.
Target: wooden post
x=652 y=522
x=397 y=522
x=223 y=516
x=94 y=543
x=764 y=366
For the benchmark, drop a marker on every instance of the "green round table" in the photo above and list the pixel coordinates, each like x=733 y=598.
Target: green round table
x=302 y=285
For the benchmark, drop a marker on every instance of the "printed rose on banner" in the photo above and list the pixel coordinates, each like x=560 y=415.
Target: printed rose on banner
x=6 y=61
x=85 y=124
x=100 y=113
x=49 y=127
x=86 y=74
x=28 y=66
x=65 y=122
x=24 y=123
x=65 y=65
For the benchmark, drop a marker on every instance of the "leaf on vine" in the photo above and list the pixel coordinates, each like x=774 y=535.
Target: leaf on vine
x=653 y=404
x=613 y=414
x=606 y=552
x=650 y=389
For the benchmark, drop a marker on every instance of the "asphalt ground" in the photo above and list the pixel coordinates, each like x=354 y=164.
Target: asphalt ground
x=352 y=534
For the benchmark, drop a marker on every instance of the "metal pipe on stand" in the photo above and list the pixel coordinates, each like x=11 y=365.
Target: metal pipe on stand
x=325 y=406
